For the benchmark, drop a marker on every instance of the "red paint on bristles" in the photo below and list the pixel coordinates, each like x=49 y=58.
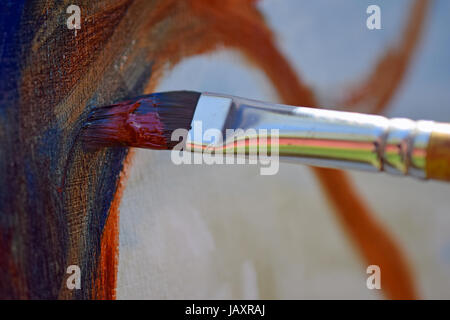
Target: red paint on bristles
x=143 y=122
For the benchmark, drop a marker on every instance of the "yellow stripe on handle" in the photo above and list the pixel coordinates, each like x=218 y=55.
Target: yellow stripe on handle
x=438 y=153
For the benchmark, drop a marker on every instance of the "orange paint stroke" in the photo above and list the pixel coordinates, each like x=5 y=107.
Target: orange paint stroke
x=107 y=267
x=375 y=93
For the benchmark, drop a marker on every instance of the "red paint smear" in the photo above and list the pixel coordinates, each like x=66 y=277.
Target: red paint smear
x=124 y=126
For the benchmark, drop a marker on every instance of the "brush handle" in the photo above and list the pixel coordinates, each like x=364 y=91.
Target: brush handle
x=325 y=138
x=438 y=153
x=397 y=146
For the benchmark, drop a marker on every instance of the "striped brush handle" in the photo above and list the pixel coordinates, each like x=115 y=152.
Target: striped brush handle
x=325 y=138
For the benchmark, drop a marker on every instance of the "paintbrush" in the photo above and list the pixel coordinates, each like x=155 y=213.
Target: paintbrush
x=316 y=137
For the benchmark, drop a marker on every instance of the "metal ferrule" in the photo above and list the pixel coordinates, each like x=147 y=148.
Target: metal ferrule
x=316 y=137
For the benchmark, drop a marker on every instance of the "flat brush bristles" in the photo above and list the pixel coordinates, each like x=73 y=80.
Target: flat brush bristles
x=144 y=122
